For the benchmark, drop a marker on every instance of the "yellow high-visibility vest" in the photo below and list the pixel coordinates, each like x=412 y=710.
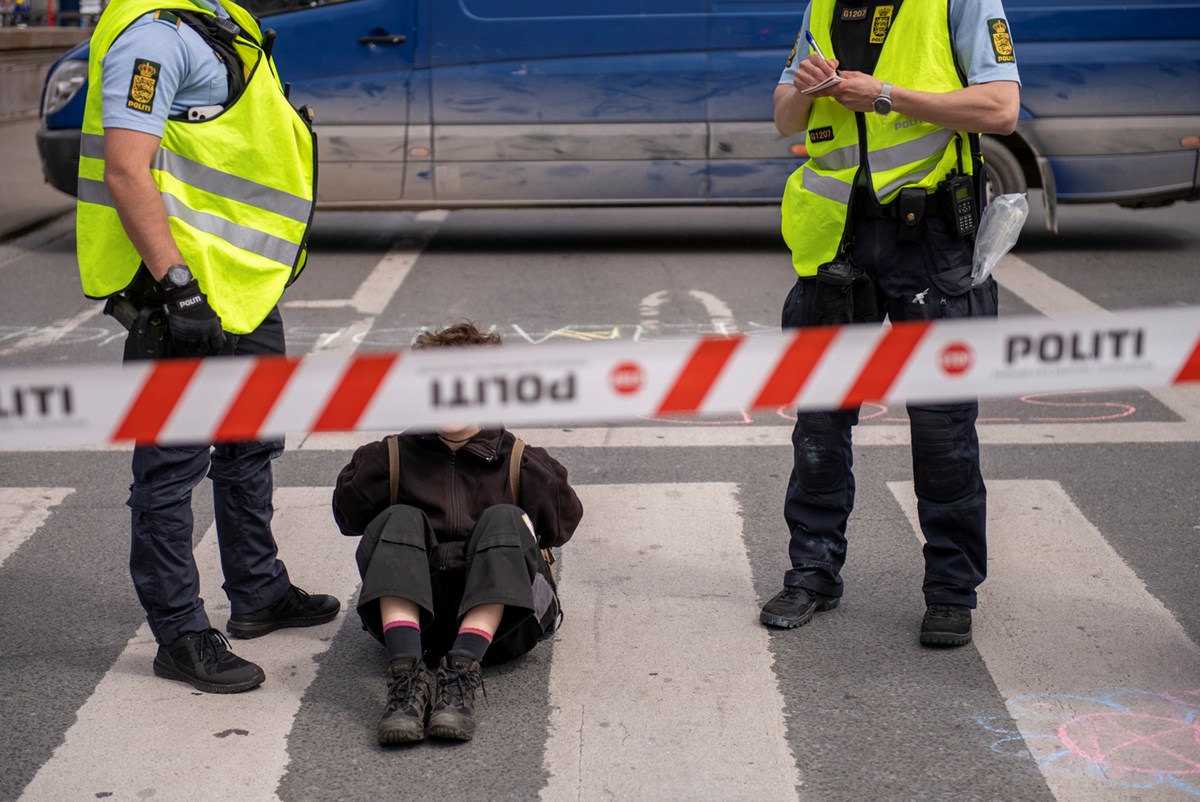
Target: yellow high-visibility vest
x=900 y=151
x=238 y=187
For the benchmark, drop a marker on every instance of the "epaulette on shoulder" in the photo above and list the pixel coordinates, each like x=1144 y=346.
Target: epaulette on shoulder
x=169 y=17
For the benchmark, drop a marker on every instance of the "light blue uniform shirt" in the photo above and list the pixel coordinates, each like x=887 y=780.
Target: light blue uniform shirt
x=188 y=73
x=972 y=43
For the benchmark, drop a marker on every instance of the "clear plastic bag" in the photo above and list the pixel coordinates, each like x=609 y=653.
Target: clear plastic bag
x=998 y=232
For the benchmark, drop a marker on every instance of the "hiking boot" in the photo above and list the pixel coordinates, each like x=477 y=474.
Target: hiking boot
x=295 y=608
x=409 y=693
x=946 y=625
x=795 y=607
x=453 y=714
x=204 y=660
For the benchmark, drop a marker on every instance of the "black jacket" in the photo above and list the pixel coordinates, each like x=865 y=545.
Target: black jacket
x=454 y=487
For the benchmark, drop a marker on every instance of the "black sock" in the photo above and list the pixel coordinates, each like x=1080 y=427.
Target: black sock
x=473 y=642
x=402 y=639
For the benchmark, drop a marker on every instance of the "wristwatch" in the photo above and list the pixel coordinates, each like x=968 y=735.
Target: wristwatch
x=177 y=276
x=883 y=103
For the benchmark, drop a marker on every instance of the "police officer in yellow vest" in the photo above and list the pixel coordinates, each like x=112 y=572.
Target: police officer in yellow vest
x=880 y=222
x=196 y=188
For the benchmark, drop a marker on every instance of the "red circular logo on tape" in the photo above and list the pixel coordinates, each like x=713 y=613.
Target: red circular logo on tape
x=626 y=378
x=957 y=358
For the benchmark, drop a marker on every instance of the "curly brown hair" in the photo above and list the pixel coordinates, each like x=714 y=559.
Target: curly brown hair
x=465 y=332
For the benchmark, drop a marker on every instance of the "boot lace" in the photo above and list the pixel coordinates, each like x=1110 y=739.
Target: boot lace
x=458 y=685
x=404 y=689
x=942 y=611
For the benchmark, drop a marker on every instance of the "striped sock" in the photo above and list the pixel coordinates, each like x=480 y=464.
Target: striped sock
x=402 y=639
x=473 y=642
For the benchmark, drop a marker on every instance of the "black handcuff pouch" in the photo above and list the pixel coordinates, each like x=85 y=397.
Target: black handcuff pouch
x=843 y=293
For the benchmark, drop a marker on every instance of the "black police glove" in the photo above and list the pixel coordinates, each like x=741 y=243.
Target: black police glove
x=195 y=328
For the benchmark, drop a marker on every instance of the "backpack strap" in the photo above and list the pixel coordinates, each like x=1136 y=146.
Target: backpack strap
x=514 y=481
x=393 y=446
x=514 y=469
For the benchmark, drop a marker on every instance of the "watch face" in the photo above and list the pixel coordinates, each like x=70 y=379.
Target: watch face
x=178 y=275
x=883 y=105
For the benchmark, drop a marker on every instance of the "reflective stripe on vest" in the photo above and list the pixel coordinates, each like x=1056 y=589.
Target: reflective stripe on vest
x=901 y=151
x=238 y=188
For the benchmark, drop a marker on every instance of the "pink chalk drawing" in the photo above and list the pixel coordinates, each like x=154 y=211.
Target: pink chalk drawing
x=1127 y=737
x=1135 y=742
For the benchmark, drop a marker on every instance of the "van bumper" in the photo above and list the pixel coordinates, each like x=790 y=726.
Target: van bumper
x=58 y=149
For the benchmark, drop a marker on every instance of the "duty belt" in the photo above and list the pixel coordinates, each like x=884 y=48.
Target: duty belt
x=865 y=208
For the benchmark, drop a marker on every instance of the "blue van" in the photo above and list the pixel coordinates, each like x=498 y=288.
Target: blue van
x=475 y=103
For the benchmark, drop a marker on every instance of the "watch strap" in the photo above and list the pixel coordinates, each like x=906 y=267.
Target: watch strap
x=883 y=101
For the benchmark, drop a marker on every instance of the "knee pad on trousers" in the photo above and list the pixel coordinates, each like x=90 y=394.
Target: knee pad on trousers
x=945 y=454
x=820 y=459
x=236 y=463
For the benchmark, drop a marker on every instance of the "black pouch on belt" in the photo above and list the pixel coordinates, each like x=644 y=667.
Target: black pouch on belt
x=833 y=303
x=910 y=211
x=149 y=337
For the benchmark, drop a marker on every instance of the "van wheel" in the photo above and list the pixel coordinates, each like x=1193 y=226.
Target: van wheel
x=1002 y=170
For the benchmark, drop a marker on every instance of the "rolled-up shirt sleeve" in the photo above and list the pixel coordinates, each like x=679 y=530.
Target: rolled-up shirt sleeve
x=141 y=75
x=983 y=41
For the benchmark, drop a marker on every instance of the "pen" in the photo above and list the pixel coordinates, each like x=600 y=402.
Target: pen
x=813 y=44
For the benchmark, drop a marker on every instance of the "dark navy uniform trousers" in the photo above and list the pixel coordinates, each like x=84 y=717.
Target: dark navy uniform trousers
x=160 y=559
x=927 y=280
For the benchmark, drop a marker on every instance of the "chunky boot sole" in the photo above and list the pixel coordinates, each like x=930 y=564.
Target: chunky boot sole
x=945 y=639
x=451 y=727
x=401 y=735
x=170 y=672
x=256 y=629
x=783 y=622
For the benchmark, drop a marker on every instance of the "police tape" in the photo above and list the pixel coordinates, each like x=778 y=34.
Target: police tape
x=215 y=400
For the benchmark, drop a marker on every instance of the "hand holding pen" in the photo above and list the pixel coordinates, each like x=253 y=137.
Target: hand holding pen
x=829 y=80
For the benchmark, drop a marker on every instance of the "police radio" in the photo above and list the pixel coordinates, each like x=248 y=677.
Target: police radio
x=958 y=200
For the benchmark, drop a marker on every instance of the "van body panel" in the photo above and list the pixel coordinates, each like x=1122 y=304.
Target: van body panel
x=1092 y=79
x=360 y=92
x=586 y=103
x=459 y=103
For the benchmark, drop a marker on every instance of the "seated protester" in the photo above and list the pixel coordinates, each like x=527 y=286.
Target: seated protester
x=451 y=558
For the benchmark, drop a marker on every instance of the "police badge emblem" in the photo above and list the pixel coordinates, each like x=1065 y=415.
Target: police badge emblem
x=1001 y=40
x=143 y=86
x=881 y=23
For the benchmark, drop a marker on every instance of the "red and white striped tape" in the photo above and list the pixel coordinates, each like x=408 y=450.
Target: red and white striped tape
x=230 y=399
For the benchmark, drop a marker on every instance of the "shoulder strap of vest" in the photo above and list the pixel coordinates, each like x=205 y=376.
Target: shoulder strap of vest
x=393 y=447
x=514 y=468
x=219 y=34
x=977 y=171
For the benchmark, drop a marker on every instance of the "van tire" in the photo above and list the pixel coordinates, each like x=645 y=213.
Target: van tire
x=1003 y=171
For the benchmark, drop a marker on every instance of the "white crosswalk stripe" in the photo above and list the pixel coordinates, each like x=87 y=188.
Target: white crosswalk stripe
x=644 y=581
x=22 y=511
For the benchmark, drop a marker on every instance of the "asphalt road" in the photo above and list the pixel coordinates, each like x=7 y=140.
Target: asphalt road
x=1083 y=682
